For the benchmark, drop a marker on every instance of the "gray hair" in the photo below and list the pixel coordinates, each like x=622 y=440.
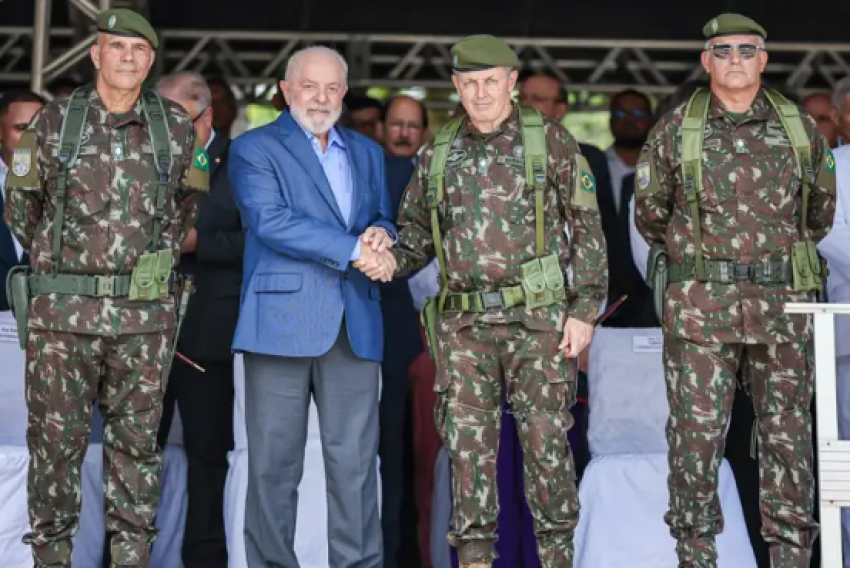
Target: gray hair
x=185 y=87
x=295 y=60
x=840 y=92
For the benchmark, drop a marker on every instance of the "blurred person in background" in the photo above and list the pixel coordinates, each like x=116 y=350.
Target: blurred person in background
x=17 y=109
x=212 y=254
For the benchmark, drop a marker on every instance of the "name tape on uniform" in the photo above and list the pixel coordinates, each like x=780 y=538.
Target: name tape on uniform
x=647 y=343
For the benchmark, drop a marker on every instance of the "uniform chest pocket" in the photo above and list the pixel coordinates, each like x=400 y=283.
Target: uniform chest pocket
x=720 y=171
x=87 y=186
x=455 y=207
x=143 y=197
x=518 y=197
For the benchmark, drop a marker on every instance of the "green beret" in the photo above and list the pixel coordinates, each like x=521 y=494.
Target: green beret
x=732 y=24
x=127 y=23
x=478 y=52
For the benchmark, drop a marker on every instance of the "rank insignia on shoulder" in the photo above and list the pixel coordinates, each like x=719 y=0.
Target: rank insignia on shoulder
x=21 y=162
x=202 y=160
x=830 y=160
x=643 y=175
x=587 y=182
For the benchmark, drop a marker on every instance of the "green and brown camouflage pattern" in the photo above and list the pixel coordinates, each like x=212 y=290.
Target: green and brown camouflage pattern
x=84 y=349
x=65 y=372
x=487 y=222
x=750 y=211
x=477 y=368
x=488 y=233
x=701 y=382
x=109 y=212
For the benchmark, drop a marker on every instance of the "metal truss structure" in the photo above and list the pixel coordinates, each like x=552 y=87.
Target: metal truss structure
x=252 y=61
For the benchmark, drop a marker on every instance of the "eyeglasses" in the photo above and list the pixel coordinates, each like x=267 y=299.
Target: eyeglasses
x=638 y=113
x=745 y=50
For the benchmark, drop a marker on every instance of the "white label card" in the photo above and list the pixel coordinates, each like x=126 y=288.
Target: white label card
x=647 y=343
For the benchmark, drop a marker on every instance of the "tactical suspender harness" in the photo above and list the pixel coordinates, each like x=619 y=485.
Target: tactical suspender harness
x=805 y=269
x=70 y=135
x=543 y=279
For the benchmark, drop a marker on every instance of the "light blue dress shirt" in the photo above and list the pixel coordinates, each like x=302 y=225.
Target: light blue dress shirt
x=335 y=164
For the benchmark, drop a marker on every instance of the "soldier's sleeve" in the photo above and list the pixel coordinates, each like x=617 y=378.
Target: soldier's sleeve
x=195 y=183
x=588 y=254
x=25 y=193
x=654 y=188
x=415 y=246
x=822 y=196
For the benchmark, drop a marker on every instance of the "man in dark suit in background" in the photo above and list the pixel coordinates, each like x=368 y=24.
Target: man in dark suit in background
x=212 y=253
x=402 y=345
x=17 y=108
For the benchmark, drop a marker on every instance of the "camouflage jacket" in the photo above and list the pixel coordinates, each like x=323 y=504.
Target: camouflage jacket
x=750 y=210
x=109 y=210
x=488 y=223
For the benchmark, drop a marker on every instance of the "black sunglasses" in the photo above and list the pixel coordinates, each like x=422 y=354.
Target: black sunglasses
x=724 y=50
x=635 y=112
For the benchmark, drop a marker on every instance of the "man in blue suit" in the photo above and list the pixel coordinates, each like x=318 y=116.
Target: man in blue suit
x=17 y=108
x=314 y=203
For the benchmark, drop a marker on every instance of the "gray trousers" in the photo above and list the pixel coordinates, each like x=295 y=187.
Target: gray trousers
x=277 y=400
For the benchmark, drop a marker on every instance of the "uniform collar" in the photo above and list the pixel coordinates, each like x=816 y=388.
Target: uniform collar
x=511 y=126
x=135 y=114
x=760 y=110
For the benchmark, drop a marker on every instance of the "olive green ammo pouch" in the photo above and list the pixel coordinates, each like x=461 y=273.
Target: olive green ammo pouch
x=428 y=317
x=18 y=298
x=150 y=278
x=806 y=266
x=657 y=277
x=543 y=282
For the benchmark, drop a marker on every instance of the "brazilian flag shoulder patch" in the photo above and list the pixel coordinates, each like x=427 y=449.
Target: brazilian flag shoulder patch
x=202 y=160
x=588 y=182
x=830 y=160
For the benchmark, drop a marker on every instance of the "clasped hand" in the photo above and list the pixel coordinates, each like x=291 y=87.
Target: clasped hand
x=376 y=261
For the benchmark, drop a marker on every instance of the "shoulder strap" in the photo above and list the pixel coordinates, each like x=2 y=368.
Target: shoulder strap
x=693 y=126
x=534 y=140
x=789 y=116
x=70 y=135
x=434 y=196
x=161 y=142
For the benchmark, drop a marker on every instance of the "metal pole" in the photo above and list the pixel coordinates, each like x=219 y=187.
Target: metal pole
x=41 y=37
x=104 y=5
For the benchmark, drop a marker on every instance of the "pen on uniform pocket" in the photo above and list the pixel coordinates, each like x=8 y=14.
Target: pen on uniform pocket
x=611 y=309
x=189 y=361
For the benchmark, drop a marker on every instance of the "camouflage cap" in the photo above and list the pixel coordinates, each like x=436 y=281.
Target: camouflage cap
x=127 y=23
x=477 y=52
x=732 y=24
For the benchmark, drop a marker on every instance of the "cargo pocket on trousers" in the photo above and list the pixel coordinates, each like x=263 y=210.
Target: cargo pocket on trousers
x=562 y=377
x=442 y=382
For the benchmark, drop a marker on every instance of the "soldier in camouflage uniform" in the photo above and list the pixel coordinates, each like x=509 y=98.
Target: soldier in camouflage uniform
x=88 y=338
x=734 y=188
x=499 y=327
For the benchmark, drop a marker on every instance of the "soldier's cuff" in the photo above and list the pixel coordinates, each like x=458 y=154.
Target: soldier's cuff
x=584 y=310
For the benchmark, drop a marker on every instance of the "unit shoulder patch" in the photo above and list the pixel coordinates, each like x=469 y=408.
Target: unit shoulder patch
x=643 y=174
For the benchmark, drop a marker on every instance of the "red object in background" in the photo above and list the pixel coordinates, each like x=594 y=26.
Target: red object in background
x=426 y=442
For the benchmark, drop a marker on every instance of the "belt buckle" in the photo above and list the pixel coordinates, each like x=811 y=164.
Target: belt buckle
x=744 y=271
x=491 y=300
x=104 y=286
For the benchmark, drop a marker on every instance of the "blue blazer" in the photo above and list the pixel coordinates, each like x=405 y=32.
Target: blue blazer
x=298 y=280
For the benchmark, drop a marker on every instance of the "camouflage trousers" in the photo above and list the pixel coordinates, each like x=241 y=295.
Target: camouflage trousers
x=65 y=373
x=475 y=365
x=701 y=382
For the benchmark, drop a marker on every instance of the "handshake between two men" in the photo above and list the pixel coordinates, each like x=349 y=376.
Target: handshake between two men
x=376 y=261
